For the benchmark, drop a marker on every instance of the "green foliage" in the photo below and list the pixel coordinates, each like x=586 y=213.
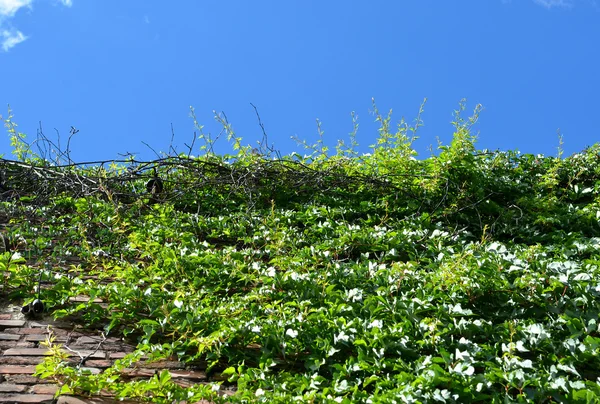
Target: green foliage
x=468 y=276
x=21 y=150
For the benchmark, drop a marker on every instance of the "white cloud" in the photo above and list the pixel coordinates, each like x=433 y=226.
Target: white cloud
x=554 y=3
x=11 y=38
x=8 y=8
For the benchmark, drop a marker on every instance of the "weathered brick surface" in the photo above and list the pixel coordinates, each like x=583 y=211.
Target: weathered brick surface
x=11 y=323
x=26 y=398
x=119 y=355
x=44 y=389
x=9 y=337
x=163 y=365
x=21 y=350
x=90 y=340
x=35 y=324
x=13 y=370
x=25 y=344
x=187 y=374
x=25 y=379
x=139 y=372
x=40 y=337
x=99 y=363
x=44 y=351
x=84 y=299
x=21 y=360
x=95 y=400
x=12 y=388
x=25 y=330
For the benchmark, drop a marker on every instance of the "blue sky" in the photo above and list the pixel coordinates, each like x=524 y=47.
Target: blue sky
x=122 y=72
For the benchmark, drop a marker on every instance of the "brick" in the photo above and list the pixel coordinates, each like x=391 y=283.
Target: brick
x=99 y=363
x=57 y=332
x=188 y=374
x=5 y=316
x=25 y=331
x=39 y=337
x=27 y=398
x=117 y=341
x=88 y=340
x=25 y=379
x=12 y=388
x=84 y=348
x=94 y=400
x=54 y=324
x=45 y=351
x=184 y=383
x=120 y=355
x=11 y=323
x=24 y=344
x=26 y=352
x=44 y=389
x=9 y=337
x=7 y=344
x=72 y=400
x=163 y=365
x=12 y=370
x=138 y=372
x=84 y=299
x=21 y=360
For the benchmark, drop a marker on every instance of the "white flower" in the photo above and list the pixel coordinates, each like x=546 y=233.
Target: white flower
x=463 y=368
x=521 y=347
x=291 y=333
x=271 y=272
x=537 y=333
x=99 y=253
x=375 y=324
x=260 y=392
x=441 y=395
x=577 y=384
x=561 y=382
x=178 y=303
x=332 y=351
x=340 y=337
x=355 y=295
x=461 y=355
x=341 y=387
